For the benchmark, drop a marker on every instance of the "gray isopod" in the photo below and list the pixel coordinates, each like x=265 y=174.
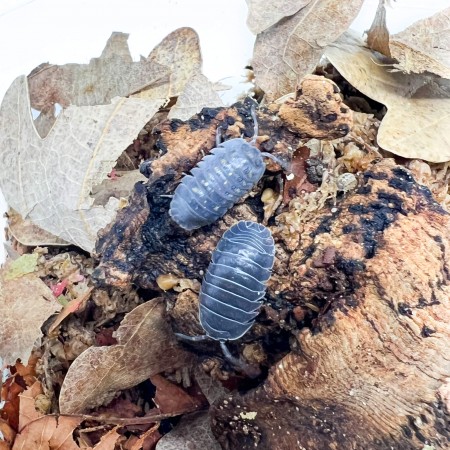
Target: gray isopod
x=235 y=283
x=220 y=179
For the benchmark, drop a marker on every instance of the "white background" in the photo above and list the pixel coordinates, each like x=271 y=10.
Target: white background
x=63 y=31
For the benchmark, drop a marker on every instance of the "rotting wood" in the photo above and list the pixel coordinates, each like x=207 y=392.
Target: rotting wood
x=355 y=329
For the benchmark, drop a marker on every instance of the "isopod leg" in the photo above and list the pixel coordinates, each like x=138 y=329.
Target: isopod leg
x=249 y=370
x=255 y=125
x=284 y=165
x=218 y=136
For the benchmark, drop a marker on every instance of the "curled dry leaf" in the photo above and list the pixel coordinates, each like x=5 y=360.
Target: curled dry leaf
x=25 y=303
x=424 y=46
x=146 y=346
x=70 y=308
x=416 y=124
x=378 y=35
x=49 y=180
x=291 y=49
x=192 y=433
x=27 y=233
x=198 y=93
x=113 y=74
x=262 y=14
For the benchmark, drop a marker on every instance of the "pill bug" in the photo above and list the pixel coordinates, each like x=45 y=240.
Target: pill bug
x=235 y=283
x=218 y=181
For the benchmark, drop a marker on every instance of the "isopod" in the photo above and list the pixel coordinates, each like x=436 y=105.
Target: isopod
x=220 y=179
x=235 y=283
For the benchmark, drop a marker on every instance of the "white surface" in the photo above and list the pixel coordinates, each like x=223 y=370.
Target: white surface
x=59 y=32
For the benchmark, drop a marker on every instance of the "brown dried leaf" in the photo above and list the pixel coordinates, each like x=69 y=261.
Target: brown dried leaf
x=416 y=124
x=378 y=35
x=25 y=303
x=48 y=433
x=299 y=182
x=8 y=435
x=287 y=51
x=112 y=74
x=49 y=180
x=192 y=433
x=180 y=53
x=108 y=441
x=262 y=14
x=198 y=93
x=28 y=411
x=172 y=399
x=29 y=234
x=146 y=346
x=424 y=46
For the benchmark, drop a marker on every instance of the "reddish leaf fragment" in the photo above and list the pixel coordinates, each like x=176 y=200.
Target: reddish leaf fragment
x=171 y=398
x=294 y=186
x=58 y=288
x=70 y=308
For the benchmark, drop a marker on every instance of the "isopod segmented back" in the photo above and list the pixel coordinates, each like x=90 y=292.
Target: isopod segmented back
x=216 y=184
x=235 y=282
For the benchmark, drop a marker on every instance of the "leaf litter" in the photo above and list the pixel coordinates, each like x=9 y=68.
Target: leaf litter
x=111 y=353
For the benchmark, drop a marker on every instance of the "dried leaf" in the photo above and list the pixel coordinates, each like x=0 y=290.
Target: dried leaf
x=192 y=433
x=424 y=46
x=287 y=51
x=49 y=180
x=378 y=35
x=21 y=266
x=146 y=346
x=172 y=399
x=262 y=14
x=48 y=433
x=25 y=303
x=71 y=307
x=146 y=441
x=416 y=124
x=7 y=435
x=212 y=389
x=180 y=53
x=112 y=74
x=198 y=93
x=108 y=441
x=28 y=411
x=29 y=234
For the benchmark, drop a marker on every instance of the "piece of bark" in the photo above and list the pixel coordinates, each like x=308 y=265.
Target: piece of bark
x=130 y=249
x=318 y=110
x=370 y=372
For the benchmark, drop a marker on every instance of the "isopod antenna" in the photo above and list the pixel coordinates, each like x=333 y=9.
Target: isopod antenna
x=249 y=370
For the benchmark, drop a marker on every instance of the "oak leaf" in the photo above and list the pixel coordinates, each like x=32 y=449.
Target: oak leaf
x=25 y=303
x=416 y=123
x=424 y=46
x=113 y=74
x=287 y=51
x=198 y=93
x=262 y=14
x=145 y=346
x=50 y=180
